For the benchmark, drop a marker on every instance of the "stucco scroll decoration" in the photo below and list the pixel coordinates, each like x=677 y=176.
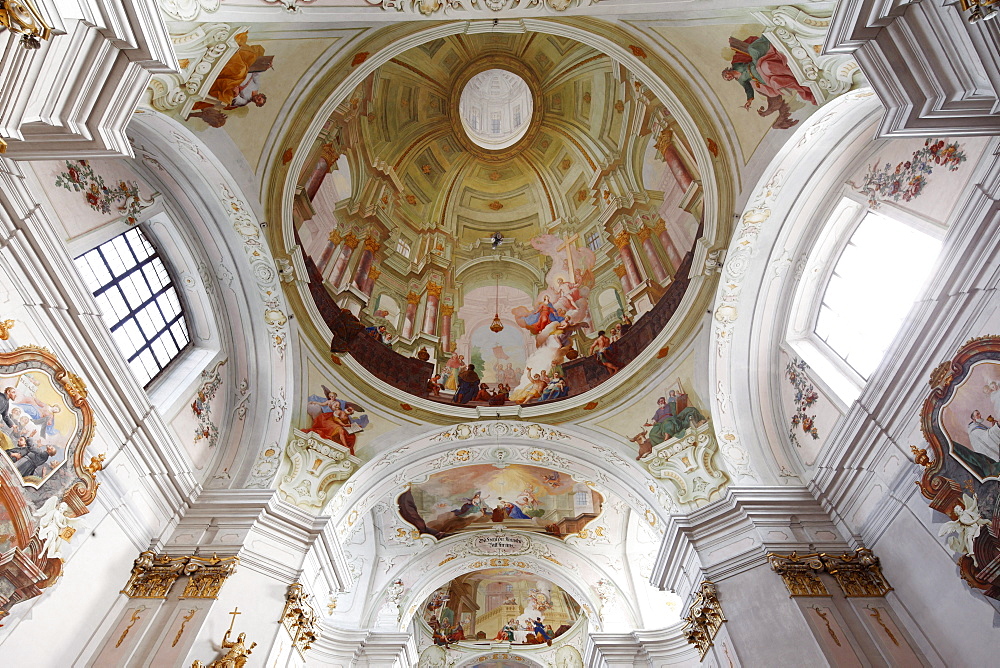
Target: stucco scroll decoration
x=262 y=266
x=800 y=37
x=202 y=53
x=429 y=7
x=688 y=462
x=734 y=271
x=316 y=465
x=188 y=10
x=461 y=432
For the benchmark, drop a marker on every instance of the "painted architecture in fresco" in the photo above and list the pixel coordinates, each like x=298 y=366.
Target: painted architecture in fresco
x=483 y=496
x=499 y=605
x=417 y=303
x=962 y=468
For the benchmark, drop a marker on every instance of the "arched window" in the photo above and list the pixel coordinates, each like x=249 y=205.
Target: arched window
x=138 y=302
x=876 y=279
x=859 y=283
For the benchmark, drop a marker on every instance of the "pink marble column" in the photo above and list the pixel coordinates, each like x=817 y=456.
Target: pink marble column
x=646 y=237
x=447 y=310
x=431 y=311
x=373 y=275
x=332 y=245
x=410 y=316
x=660 y=229
x=365 y=263
x=316 y=178
x=340 y=268
x=665 y=145
x=628 y=260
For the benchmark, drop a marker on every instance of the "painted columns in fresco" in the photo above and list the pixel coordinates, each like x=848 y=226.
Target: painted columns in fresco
x=447 y=310
x=328 y=158
x=430 y=313
x=373 y=275
x=645 y=237
x=673 y=253
x=623 y=240
x=340 y=268
x=333 y=241
x=409 y=318
x=623 y=277
x=365 y=263
x=665 y=145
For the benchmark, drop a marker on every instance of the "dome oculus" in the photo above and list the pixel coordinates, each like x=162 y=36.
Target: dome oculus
x=495 y=108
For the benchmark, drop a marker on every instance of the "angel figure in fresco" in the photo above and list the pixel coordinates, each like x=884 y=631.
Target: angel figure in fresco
x=760 y=69
x=335 y=419
x=967 y=524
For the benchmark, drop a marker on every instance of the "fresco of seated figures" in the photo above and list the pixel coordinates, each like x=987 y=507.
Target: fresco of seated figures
x=499 y=605
x=482 y=496
x=479 y=276
x=45 y=427
x=962 y=470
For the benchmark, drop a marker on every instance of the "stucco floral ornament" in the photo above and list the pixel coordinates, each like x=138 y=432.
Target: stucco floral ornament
x=967 y=524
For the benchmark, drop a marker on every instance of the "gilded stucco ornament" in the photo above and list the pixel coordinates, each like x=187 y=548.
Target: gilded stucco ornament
x=299 y=618
x=704 y=618
x=153 y=575
x=859 y=574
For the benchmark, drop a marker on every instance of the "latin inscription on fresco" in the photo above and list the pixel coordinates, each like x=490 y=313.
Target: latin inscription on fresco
x=500 y=544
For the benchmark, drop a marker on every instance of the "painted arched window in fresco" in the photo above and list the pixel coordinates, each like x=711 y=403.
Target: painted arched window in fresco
x=610 y=305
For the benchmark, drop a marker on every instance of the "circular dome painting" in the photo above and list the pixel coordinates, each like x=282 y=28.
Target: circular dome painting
x=495 y=108
x=502 y=605
x=523 y=277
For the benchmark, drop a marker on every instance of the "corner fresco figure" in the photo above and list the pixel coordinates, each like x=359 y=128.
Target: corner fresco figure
x=760 y=69
x=672 y=418
x=335 y=419
x=962 y=468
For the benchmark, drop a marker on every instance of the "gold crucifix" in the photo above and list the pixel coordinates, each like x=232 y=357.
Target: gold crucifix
x=236 y=611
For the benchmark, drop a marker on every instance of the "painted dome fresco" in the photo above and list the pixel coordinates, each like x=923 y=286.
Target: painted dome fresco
x=498 y=220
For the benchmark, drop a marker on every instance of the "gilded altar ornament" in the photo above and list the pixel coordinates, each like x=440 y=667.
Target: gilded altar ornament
x=800 y=573
x=299 y=618
x=858 y=574
x=237 y=652
x=704 y=618
x=153 y=575
x=206 y=576
x=21 y=17
x=979 y=10
x=5 y=325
